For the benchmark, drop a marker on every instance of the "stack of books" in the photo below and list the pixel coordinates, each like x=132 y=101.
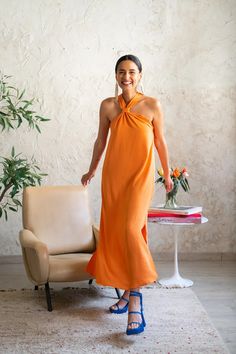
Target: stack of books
x=182 y=214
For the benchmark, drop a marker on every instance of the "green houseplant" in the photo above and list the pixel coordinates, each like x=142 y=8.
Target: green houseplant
x=16 y=171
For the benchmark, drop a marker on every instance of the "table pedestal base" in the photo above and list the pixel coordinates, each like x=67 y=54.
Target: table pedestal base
x=176 y=281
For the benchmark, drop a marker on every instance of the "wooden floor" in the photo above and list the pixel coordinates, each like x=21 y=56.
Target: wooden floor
x=214 y=284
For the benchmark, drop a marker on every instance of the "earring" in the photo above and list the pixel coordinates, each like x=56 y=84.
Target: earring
x=116 y=90
x=140 y=84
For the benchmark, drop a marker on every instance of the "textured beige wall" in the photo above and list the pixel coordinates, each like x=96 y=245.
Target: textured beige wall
x=64 y=52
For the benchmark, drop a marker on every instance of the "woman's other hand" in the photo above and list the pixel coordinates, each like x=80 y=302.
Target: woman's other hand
x=86 y=178
x=168 y=184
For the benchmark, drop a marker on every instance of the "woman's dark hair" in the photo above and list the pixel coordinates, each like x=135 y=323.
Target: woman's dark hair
x=129 y=57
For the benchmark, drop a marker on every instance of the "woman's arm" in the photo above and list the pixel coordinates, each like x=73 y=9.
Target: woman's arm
x=99 y=145
x=160 y=143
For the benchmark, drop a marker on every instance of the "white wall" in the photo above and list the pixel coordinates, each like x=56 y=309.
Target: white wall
x=64 y=53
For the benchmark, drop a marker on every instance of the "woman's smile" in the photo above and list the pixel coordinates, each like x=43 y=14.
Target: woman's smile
x=126 y=83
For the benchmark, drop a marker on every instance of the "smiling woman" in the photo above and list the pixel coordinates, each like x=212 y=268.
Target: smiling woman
x=122 y=258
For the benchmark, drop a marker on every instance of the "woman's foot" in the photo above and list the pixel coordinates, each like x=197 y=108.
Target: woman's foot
x=135 y=326
x=134 y=305
x=121 y=305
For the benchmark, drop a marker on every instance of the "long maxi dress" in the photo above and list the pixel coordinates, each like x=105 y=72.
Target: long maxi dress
x=122 y=258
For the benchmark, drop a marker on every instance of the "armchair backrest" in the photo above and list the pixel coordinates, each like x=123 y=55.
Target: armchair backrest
x=60 y=217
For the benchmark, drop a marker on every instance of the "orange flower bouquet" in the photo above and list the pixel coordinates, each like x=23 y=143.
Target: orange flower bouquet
x=179 y=178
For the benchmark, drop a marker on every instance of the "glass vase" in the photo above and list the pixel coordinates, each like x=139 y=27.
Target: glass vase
x=171 y=201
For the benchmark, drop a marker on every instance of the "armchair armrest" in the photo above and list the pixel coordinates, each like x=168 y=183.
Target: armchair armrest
x=96 y=234
x=36 y=258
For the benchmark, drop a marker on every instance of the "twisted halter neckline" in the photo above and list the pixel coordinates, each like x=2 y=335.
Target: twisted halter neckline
x=126 y=107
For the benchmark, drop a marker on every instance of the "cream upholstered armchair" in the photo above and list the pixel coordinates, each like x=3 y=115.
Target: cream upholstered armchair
x=58 y=237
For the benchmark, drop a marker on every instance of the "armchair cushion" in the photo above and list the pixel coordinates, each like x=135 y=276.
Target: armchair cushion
x=68 y=267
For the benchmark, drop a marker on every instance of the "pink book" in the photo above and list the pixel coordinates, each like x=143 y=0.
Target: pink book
x=168 y=215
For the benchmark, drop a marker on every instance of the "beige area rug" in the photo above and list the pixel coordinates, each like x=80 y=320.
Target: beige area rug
x=81 y=323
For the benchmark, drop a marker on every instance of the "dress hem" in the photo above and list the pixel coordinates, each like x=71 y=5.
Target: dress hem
x=121 y=286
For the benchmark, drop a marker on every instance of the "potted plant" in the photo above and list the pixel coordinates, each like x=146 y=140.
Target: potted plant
x=16 y=171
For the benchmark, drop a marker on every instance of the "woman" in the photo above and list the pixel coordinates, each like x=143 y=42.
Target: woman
x=123 y=259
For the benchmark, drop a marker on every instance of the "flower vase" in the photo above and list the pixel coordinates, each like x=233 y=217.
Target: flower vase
x=171 y=201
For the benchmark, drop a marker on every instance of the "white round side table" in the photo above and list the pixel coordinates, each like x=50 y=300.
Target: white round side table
x=176 y=281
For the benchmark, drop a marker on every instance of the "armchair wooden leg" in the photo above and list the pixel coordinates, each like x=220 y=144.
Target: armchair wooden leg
x=36 y=287
x=118 y=293
x=48 y=297
x=90 y=281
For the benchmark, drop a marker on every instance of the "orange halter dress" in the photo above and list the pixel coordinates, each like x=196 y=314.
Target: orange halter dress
x=122 y=258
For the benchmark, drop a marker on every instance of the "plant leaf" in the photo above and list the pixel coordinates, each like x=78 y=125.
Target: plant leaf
x=13 y=209
x=13 y=151
x=17 y=202
x=21 y=95
x=37 y=127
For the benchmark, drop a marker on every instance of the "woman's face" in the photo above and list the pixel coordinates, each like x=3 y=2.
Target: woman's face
x=128 y=75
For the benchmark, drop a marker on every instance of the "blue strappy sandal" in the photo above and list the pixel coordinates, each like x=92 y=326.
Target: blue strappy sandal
x=142 y=324
x=123 y=309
